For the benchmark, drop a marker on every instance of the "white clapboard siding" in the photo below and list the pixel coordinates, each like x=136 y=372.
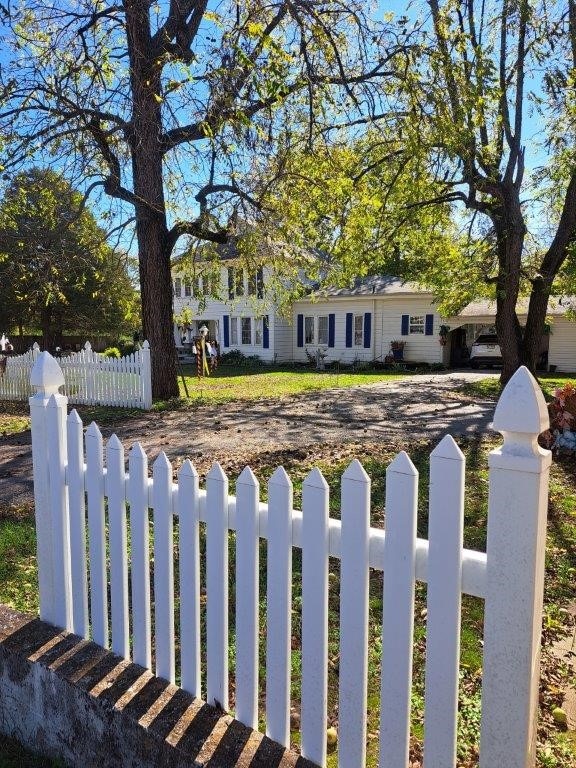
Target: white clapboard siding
x=509 y=577
x=89 y=378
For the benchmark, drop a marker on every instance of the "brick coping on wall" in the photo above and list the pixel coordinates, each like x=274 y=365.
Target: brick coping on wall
x=69 y=699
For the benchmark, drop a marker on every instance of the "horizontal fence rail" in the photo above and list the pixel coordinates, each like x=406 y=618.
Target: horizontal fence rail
x=90 y=378
x=129 y=599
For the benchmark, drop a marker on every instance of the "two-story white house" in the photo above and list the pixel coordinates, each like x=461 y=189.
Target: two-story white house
x=358 y=323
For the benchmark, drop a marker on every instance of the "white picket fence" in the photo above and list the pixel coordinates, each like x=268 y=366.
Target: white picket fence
x=89 y=378
x=82 y=489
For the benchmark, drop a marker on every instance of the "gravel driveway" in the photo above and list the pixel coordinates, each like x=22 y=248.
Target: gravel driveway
x=414 y=407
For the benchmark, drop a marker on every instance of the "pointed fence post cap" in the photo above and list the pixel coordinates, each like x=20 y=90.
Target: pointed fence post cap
x=280 y=477
x=188 y=469
x=36 y=347
x=448 y=448
x=521 y=407
x=145 y=345
x=46 y=374
x=402 y=465
x=355 y=471
x=87 y=346
x=247 y=477
x=315 y=479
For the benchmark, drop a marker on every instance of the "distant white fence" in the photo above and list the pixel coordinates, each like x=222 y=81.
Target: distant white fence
x=89 y=377
x=81 y=492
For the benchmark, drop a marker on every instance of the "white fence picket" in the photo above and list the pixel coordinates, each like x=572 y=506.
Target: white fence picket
x=77 y=512
x=217 y=586
x=57 y=461
x=445 y=533
x=140 y=565
x=279 y=607
x=97 y=533
x=247 y=598
x=188 y=516
x=315 y=547
x=163 y=569
x=398 y=611
x=355 y=515
x=115 y=487
x=89 y=378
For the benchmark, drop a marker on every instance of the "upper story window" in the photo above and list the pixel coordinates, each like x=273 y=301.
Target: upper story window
x=177 y=287
x=235 y=282
x=187 y=288
x=358 y=330
x=416 y=324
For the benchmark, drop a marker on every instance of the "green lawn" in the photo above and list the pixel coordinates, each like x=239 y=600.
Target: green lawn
x=229 y=382
x=17 y=584
x=491 y=387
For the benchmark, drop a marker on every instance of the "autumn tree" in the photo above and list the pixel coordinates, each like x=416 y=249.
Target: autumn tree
x=162 y=106
x=57 y=271
x=489 y=98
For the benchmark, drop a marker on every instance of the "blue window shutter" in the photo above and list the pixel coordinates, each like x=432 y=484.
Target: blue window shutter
x=367 y=329
x=260 y=283
x=300 y=331
x=265 y=333
x=405 y=325
x=226 y=330
x=429 y=329
x=331 y=329
x=349 y=320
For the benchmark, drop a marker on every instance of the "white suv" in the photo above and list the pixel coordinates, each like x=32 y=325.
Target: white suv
x=485 y=351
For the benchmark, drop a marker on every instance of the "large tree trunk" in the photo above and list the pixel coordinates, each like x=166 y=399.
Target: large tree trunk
x=510 y=229
x=151 y=222
x=535 y=322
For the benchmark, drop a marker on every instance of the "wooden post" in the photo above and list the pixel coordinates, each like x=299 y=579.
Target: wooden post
x=47 y=377
x=146 y=376
x=515 y=579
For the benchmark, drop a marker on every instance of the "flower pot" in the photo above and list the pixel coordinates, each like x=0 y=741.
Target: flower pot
x=398 y=354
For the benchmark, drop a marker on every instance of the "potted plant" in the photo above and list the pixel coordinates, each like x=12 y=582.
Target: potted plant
x=397 y=348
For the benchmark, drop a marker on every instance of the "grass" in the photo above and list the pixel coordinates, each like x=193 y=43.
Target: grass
x=228 y=383
x=17 y=575
x=13 y=756
x=491 y=387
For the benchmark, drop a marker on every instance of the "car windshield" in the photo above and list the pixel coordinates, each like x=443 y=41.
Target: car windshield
x=487 y=339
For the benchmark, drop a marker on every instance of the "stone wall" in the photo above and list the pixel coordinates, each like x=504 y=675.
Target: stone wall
x=69 y=699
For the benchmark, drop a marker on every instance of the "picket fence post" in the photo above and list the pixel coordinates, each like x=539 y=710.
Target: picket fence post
x=146 y=374
x=47 y=377
x=517 y=508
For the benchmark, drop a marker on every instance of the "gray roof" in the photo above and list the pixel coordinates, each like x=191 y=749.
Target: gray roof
x=557 y=305
x=375 y=285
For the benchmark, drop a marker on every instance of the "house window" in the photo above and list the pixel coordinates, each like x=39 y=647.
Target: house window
x=258 y=326
x=206 y=287
x=416 y=324
x=308 y=330
x=323 y=329
x=177 y=287
x=196 y=286
x=187 y=288
x=233 y=331
x=246 y=330
x=230 y=282
x=251 y=283
x=358 y=330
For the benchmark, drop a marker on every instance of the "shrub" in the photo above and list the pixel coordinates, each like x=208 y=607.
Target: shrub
x=111 y=352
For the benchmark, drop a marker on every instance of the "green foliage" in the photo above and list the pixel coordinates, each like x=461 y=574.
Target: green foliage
x=57 y=272
x=112 y=352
